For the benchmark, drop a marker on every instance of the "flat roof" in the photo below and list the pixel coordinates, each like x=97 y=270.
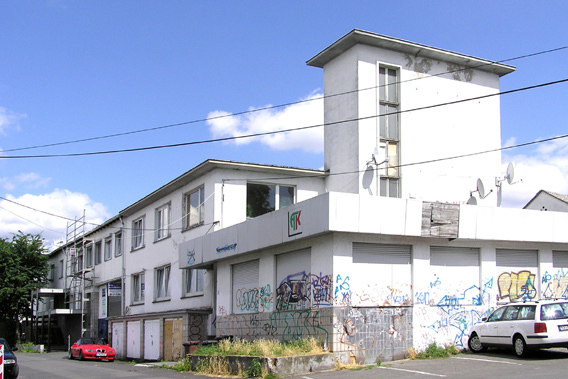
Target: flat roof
x=357 y=36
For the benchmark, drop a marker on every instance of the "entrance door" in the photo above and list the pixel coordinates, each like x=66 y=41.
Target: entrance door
x=117 y=341
x=152 y=340
x=173 y=348
x=133 y=339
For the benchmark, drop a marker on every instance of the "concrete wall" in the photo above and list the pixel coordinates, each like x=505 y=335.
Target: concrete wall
x=425 y=135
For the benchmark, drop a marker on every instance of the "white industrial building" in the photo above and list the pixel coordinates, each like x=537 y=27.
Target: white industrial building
x=376 y=253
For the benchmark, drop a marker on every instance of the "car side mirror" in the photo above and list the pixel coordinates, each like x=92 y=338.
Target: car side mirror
x=15 y=348
x=484 y=319
x=75 y=344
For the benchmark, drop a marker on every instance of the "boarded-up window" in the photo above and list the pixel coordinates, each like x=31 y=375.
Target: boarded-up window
x=454 y=276
x=381 y=275
x=517 y=274
x=293 y=289
x=245 y=287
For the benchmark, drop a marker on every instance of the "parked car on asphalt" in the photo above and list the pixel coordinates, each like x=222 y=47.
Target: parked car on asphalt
x=11 y=369
x=91 y=348
x=523 y=327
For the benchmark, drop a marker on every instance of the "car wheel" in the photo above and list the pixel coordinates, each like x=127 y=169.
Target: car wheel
x=81 y=355
x=70 y=354
x=520 y=346
x=474 y=344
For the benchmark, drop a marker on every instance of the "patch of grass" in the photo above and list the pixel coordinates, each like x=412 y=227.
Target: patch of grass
x=183 y=365
x=255 y=369
x=433 y=351
x=263 y=348
x=27 y=348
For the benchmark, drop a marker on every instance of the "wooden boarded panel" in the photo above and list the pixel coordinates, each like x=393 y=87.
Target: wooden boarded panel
x=440 y=220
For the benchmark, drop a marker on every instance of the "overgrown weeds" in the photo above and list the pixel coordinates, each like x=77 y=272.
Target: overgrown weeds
x=28 y=348
x=433 y=351
x=263 y=348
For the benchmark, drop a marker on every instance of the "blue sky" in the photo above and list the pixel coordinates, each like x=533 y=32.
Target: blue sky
x=72 y=70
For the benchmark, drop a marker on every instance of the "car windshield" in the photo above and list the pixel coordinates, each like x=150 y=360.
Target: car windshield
x=554 y=311
x=91 y=341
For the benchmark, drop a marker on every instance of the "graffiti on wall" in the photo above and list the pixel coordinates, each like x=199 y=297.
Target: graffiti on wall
x=517 y=285
x=555 y=285
x=254 y=299
x=458 y=313
x=304 y=290
x=342 y=295
x=294 y=292
x=285 y=326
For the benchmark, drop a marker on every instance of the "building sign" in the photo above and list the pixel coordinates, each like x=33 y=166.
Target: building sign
x=115 y=289
x=294 y=223
x=103 y=310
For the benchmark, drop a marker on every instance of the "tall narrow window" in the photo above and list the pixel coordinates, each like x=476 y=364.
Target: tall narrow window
x=193 y=209
x=138 y=286
x=98 y=252
x=162 y=222
x=162 y=283
x=89 y=256
x=389 y=129
x=138 y=233
x=108 y=248
x=118 y=244
x=193 y=279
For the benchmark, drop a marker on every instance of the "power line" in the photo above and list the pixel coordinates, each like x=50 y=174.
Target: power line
x=278 y=106
x=308 y=176
x=155 y=147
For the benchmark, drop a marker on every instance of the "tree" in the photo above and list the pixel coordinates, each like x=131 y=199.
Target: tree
x=23 y=269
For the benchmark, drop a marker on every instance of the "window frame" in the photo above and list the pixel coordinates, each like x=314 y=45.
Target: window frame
x=61 y=268
x=118 y=246
x=276 y=190
x=97 y=252
x=161 y=223
x=138 y=233
x=187 y=223
x=389 y=185
x=162 y=285
x=191 y=282
x=89 y=255
x=107 y=248
x=138 y=288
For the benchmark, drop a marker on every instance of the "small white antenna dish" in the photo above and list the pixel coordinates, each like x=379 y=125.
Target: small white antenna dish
x=481 y=190
x=509 y=177
x=510 y=173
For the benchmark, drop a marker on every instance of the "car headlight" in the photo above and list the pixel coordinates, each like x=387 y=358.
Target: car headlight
x=89 y=350
x=10 y=361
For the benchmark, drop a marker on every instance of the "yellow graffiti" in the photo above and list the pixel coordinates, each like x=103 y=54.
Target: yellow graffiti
x=517 y=285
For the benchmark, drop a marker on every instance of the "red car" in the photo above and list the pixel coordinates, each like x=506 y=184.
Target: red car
x=91 y=348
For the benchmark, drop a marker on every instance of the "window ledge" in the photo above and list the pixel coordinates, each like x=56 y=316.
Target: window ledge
x=161 y=300
x=137 y=303
x=137 y=248
x=163 y=238
x=192 y=294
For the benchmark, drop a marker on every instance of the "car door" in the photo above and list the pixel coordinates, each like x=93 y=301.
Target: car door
x=489 y=331
x=508 y=325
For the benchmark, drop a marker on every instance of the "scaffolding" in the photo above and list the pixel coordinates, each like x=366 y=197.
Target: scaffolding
x=77 y=272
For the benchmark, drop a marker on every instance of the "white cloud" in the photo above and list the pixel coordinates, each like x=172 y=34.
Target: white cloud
x=9 y=119
x=26 y=180
x=308 y=112
x=545 y=169
x=38 y=215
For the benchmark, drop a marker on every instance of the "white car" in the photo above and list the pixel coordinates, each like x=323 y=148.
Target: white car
x=523 y=326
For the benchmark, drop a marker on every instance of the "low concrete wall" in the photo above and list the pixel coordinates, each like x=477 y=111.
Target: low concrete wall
x=281 y=365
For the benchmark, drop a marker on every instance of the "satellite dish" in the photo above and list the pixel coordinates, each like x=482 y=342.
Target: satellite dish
x=510 y=173
x=480 y=188
x=472 y=201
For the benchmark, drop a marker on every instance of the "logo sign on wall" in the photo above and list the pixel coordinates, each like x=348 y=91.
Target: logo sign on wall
x=294 y=223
